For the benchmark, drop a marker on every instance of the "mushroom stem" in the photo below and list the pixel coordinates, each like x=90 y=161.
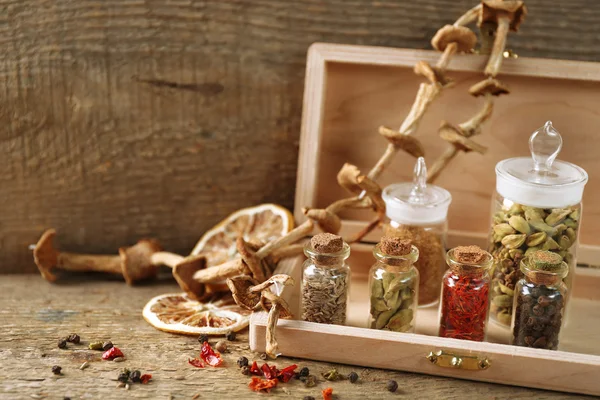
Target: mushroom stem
x=272 y=346
x=495 y=60
x=287 y=251
x=364 y=231
x=469 y=16
x=166 y=258
x=446 y=57
x=293 y=236
x=89 y=262
x=487 y=32
x=347 y=203
x=228 y=269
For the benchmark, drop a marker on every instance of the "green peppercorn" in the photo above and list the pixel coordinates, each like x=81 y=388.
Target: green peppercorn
x=107 y=345
x=352 y=377
x=304 y=371
x=95 y=346
x=62 y=343
x=392 y=385
x=230 y=336
x=246 y=370
x=242 y=362
x=56 y=369
x=135 y=376
x=203 y=338
x=74 y=338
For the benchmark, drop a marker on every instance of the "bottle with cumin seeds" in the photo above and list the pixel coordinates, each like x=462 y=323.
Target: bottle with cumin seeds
x=325 y=280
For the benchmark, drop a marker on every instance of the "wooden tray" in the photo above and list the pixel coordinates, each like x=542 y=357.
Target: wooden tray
x=350 y=91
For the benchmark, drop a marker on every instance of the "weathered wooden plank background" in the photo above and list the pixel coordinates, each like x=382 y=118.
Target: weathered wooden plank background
x=131 y=118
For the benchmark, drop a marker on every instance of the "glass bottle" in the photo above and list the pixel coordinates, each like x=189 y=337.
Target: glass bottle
x=537 y=206
x=540 y=301
x=418 y=212
x=394 y=286
x=465 y=294
x=325 y=280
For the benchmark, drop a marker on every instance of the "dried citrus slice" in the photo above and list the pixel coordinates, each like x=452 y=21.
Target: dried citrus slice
x=260 y=224
x=177 y=313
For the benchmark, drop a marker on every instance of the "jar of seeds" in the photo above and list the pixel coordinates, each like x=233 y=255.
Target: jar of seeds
x=537 y=206
x=325 y=280
x=394 y=285
x=418 y=212
x=540 y=301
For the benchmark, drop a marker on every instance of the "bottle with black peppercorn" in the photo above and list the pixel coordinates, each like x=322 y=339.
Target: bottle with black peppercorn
x=539 y=301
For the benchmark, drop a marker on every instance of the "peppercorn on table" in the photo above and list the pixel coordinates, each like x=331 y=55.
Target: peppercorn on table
x=36 y=314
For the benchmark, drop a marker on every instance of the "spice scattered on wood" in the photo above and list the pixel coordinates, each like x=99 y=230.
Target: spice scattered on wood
x=196 y=362
x=258 y=384
x=310 y=381
x=84 y=365
x=392 y=385
x=119 y=359
x=332 y=375
x=230 y=336
x=353 y=377
x=56 y=370
x=209 y=356
x=135 y=376
x=246 y=370
x=304 y=372
x=308 y=398
x=112 y=353
x=124 y=376
x=203 y=338
x=74 y=338
x=95 y=346
x=221 y=346
x=327 y=393
x=242 y=362
x=62 y=343
x=145 y=378
x=263 y=356
x=107 y=345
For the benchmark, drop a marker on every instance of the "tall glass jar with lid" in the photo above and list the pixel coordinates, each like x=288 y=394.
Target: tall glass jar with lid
x=537 y=206
x=418 y=212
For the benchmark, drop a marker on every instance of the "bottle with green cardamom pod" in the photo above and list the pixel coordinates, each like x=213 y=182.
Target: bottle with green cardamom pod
x=394 y=285
x=537 y=206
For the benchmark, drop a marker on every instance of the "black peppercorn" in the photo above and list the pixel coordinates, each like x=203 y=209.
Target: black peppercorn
x=62 y=343
x=203 y=338
x=352 y=377
x=56 y=370
x=135 y=376
x=242 y=362
x=392 y=386
x=230 y=336
x=123 y=377
x=73 y=338
x=304 y=372
x=107 y=345
x=263 y=356
x=308 y=398
x=246 y=370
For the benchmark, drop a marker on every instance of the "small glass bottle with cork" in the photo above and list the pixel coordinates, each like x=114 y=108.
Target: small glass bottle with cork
x=394 y=285
x=465 y=294
x=418 y=212
x=537 y=206
x=540 y=301
x=325 y=280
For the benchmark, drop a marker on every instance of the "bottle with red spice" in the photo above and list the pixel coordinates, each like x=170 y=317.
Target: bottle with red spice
x=465 y=294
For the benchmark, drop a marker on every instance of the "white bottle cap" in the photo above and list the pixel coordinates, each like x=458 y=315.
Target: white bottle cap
x=540 y=181
x=417 y=203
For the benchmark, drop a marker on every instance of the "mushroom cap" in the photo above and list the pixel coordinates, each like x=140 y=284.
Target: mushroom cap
x=240 y=290
x=492 y=10
x=136 y=262
x=250 y=259
x=464 y=38
x=45 y=255
x=347 y=178
x=184 y=272
x=268 y=298
x=489 y=86
x=454 y=135
x=327 y=221
x=279 y=279
x=433 y=75
x=408 y=143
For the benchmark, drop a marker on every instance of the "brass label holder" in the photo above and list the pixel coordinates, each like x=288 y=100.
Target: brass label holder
x=445 y=359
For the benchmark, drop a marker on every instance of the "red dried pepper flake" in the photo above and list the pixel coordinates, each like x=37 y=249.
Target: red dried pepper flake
x=196 y=362
x=145 y=378
x=327 y=393
x=267 y=371
x=287 y=373
x=254 y=370
x=258 y=384
x=209 y=356
x=112 y=353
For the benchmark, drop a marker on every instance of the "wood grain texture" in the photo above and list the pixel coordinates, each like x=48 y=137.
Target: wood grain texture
x=31 y=326
x=128 y=119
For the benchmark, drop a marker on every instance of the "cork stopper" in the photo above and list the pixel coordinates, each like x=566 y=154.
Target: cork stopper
x=327 y=243
x=546 y=261
x=394 y=246
x=469 y=254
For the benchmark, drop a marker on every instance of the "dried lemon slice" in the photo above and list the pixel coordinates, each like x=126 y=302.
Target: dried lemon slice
x=260 y=224
x=177 y=313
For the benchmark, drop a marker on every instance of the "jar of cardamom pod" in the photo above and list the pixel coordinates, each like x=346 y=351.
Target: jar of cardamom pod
x=418 y=212
x=325 y=280
x=394 y=285
x=537 y=206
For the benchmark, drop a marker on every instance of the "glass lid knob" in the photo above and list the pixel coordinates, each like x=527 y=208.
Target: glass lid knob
x=418 y=192
x=544 y=144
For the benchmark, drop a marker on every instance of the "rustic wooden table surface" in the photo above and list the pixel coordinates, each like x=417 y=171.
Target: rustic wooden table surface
x=34 y=314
